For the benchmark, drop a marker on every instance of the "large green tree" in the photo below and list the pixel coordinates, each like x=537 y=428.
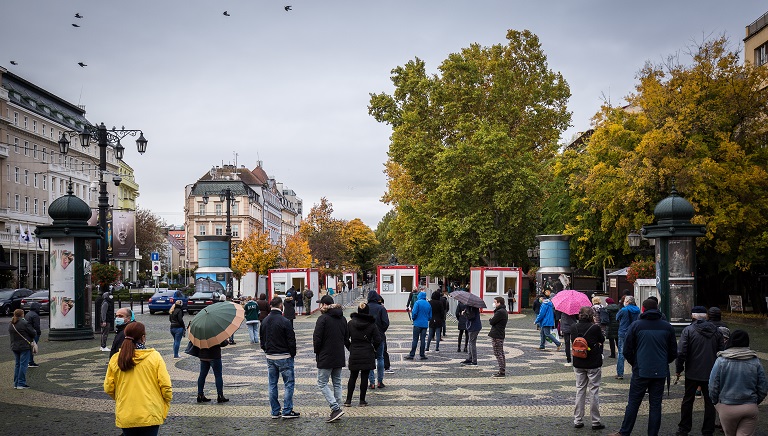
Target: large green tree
x=700 y=126
x=467 y=152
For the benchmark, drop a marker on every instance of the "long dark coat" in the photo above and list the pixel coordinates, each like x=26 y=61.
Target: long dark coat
x=364 y=340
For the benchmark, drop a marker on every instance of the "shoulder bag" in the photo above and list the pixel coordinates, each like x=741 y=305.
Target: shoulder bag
x=32 y=344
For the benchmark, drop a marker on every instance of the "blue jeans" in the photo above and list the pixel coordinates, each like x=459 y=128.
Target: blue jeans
x=177 y=333
x=205 y=365
x=275 y=369
x=253 y=331
x=419 y=335
x=432 y=332
x=379 y=364
x=332 y=395
x=620 y=357
x=547 y=332
x=20 y=370
x=637 y=388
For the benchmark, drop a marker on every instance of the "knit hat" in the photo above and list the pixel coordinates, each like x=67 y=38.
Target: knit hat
x=609 y=300
x=715 y=314
x=326 y=299
x=739 y=338
x=699 y=309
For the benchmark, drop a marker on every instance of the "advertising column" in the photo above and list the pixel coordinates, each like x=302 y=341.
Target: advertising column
x=62 y=304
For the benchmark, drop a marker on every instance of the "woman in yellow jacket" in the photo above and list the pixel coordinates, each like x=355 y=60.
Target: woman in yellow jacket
x=139 y=383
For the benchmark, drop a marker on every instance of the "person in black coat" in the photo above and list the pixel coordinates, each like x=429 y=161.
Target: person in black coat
x=462 y=325
x=289 y=305
x=176 y=317
x=330 y=338
x=33 y=318
x=364 y=341
x=498 y=332
x=608 y=319
x=438 y=319
x=588 y=371
x=210 y=358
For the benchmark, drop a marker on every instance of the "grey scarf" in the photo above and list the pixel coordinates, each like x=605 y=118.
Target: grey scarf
x=739 y=353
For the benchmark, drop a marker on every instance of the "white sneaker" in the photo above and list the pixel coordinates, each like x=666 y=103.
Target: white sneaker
x=105 y=349
x=389 y=371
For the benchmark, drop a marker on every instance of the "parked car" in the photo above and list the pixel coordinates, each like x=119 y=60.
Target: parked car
x=42 y=297
x=163 y=301
x=201 y=300
x=10 y=299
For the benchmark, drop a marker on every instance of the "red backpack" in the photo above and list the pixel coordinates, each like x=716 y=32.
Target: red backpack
x=580 y=347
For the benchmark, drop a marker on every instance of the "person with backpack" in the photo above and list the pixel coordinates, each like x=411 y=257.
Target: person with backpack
x=626 y=316
x=308 y=294
x=587 y=351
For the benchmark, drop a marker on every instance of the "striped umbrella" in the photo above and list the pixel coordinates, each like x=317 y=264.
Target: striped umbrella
x=215 y=324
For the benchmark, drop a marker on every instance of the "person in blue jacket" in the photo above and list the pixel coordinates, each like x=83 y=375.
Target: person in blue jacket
x=546 y=321
x=421 y=314
x=626 y=316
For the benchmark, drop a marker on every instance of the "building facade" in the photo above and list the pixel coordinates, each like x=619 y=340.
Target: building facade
x=756 y=42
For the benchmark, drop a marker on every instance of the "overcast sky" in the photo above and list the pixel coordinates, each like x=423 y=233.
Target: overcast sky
x=291 y=88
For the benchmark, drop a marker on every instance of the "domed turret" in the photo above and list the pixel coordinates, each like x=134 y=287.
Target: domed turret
x=69 y=208
x=673 y=209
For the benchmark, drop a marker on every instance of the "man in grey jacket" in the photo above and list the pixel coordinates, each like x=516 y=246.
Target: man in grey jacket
x=33 y=318
x=696 y=355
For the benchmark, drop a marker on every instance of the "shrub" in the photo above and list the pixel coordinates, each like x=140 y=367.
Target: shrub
x=641 y=269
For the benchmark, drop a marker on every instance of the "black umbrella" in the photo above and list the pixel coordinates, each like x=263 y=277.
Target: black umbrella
x=468 y=298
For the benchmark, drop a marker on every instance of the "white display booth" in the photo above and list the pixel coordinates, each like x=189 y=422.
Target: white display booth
x=394 y=283
x=490 y=282
x=280 y=280
x=350 y=275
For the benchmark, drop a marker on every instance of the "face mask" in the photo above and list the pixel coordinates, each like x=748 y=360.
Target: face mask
x=119 y=321
x=111 y=297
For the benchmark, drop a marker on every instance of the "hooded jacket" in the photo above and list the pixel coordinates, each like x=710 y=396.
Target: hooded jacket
x=626 y=316
x=422 y=311
x=438 y=310
x=650 y=345
x=738 y=377
x=143 y=394
x=378 y=312
x=331 y=337
x=697 y=350
x=546 y=316
x=33 y=317
x=364 y=340
x=474 y=323
x=107 y=308
x=609 y=320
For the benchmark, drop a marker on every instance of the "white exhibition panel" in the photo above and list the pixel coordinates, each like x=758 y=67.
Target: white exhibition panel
x=489 y=283
x=391 y=282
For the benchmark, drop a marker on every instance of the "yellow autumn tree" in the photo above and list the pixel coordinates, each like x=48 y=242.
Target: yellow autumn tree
x=296 y=252
x=360 y=243
x=255 y=254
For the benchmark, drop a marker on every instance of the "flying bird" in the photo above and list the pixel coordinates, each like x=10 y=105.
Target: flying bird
x=288 y=8
x=14 y=63
x=77 y=15
x=82 y=64
x=75 y=25
x=226 y=14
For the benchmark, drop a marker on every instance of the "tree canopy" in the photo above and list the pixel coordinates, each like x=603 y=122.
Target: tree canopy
x=467 y=152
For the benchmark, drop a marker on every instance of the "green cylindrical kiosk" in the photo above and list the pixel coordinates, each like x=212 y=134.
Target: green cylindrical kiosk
x=69 y=299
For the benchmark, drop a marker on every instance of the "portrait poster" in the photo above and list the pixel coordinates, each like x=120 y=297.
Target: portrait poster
x=124 y=234
x=735 y=303
x=62 y=304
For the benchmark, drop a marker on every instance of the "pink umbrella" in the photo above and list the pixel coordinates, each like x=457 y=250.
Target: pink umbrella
x=570 y=301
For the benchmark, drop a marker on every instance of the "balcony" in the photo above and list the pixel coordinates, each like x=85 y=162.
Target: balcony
x=3 y=151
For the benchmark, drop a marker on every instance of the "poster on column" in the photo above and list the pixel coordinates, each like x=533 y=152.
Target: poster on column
x=124 y=240
x=62 y=283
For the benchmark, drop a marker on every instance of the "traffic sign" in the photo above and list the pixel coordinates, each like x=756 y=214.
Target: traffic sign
x=155 y=256
x=156 y=268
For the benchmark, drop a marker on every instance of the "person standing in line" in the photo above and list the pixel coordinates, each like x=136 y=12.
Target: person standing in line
x=546 y=322
x=566 y=321
x=299 y=300
x=446 y=308
x=364 y=341
x=626 y=316
x=252 y=313
x=22 y=334
x=737 y=385
x=381 y=319
x=289 y=305
x=696 y=354
x=650 y=347
x=387 y=363
x=138 y=381
x=307 y=294
x=33 y=318
x=263 y=307
x=537 y=304
x=330 y=338
x=437 y=322
x=210 y=358
x=411 y=301
x=498 y=332
x=278 y=340
x=510 y=300
x=107 y=317
x=461 y=320
x=474 y=325
x=421 y=314
x=176 y=318
x=610 y=324
x=588 y=371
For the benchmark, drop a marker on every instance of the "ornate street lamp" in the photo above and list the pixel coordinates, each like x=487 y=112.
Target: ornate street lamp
x=104 y=138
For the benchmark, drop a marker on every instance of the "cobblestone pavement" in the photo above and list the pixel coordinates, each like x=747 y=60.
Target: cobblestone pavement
x=427 y=397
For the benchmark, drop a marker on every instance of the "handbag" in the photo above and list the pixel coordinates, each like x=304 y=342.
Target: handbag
x=32 y=344
x=192 y=350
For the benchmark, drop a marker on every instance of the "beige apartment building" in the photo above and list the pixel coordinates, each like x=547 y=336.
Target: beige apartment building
x=756 y=41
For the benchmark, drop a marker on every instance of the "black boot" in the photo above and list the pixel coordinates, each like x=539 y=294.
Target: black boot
x=201 y=399
x=220 y=399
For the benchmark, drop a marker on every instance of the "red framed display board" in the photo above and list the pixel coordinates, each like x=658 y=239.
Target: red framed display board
x=394 y=283
x=489 y=282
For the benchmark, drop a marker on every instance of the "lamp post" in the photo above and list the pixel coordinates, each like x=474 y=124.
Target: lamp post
x=104 y=138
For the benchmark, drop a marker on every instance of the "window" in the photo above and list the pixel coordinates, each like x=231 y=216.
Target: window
x=8 y=174
x=34 y=179
x=8 y=200
x=45 y=207
x=236 y=230
x=53 y=184
x=15 y=118
x=219 y=230
x=16 y=174
x=201 y=208
x=34 y=151
x=235 y=208
x=34 y=126
x=761 y=55
x=26 y=204
x=26 y=122
x=218 y=209
x=201 y=230
x=45 y=152
x=26 y=148
x=42 y=130
x=34 y=208
x=26 y=177
x=16 y=145
x=45 y=182
x=16 y=202
x=51 y=132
